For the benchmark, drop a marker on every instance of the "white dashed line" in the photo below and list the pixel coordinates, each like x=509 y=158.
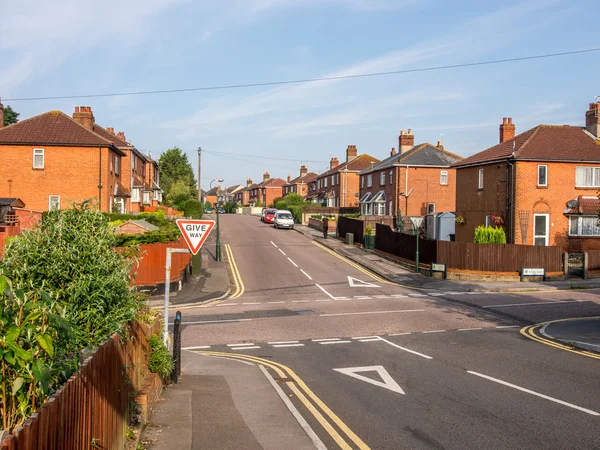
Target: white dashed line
x=282 y=342
x=508 y=326
x=275 y=302
x=307 y=275
x=434 y=331
x=274 y=245
x=199 y=322
x=342 y=298
x=535 y=303
x=240 y=345
x=322 y=300
x=288 y=345
x=300 y=301
x=282 y=252
x=334 y=342
x=381 y=296
x=325 y=339
x=198 y=347
x=226 y=304
x=251 y=303
x=469 y=329
x=435 y=294
x=245 y=348
x=399 y=334
x=398 y=295
x=369 y=340
x=372 y=312
x=365 y=337
x=295 y=265
x=417 y=295
x=361 y=297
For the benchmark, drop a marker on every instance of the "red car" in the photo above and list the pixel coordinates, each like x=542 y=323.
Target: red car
x=270 y=215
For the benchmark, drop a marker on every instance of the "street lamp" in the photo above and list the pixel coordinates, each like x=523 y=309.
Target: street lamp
x=218 y=249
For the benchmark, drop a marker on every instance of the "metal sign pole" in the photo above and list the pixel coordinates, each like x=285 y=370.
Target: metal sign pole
x=170 y=250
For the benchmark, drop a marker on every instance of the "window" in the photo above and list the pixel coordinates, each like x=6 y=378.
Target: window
x=369 y=180
x=382 y=178
x=135 y=195
x=584 y=226
x=362 y=181
x=119 y=205
x=444 y=177
x=480 y=180
x=333 y=180
x=54 y=202
x=587 y=177
x=146 y=197
x=38 y=158
x=431 y=208
x=391 y=177
x=325 y=182
x=117 y=161
x=390 y=209
x=379 y=209
x=338 y=178
x=111 y=163
x=157 y=195
x=542 y=175
x=540 y=229
x=133 y=158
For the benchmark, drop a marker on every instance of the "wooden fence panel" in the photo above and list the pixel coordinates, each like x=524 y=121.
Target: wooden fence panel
x=404 y=245
x=593 y=259
x=354 y=226
x=150 y=269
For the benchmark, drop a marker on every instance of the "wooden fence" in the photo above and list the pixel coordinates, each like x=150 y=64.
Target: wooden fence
x=150 y=269
x=91 y=410
x=470 y=256
x=593 y=259
x=354 y=226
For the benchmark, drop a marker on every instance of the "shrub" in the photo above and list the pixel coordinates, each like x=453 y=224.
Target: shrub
x=489 y=235
x=160 y=361
x=368 y=231
x=193 y=208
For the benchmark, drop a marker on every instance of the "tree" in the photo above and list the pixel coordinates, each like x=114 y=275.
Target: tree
x=10 y=116
x=179 y=194
x=193 y=208
x=173 y=166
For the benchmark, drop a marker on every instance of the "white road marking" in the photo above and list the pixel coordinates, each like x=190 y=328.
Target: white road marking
x=276 y=302
x=323 y=289
x=334 y=342
x=343 y=298
x=240 y=345
x=355 y=282
x=362 y=297
x=455 y=293
x=300 y=301
x=399 y=334
x=417 y=295
x=406 y=349
x=274 y=244
x=436 y=294
x=398 y=295
x=288 y=345
x=372 y=312
x=231 y=359
x=537 y=394
x=226 y=304
x=305 y=426
x=322 y=300
x=387 y=383
x=245 y=348
x=469 y=329
x=282 y=342
x=215 y=321
x=535 y=303
x=282 y=252
x=434 y=331
x=381 y=296
x=325 y=339
x=365 y=337
x=307 y=275
x=295 y=265
x=198 y=347
x=369 y=340
x=251 y=303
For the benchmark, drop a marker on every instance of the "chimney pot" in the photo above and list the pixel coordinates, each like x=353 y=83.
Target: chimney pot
x=504 y=120
x=393 y=152
x=405 y=141
x=84 y=116
x=351 y=153
x=510 y=120
x=507 y=130
x=303 y=171
x=592 y=119
x=440 y=145
x=409 y=131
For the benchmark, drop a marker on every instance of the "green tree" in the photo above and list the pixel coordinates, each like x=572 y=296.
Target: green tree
x=489 y=235
x=10 y=116
x=193 y=208
x=173 y=166
x=179 y=194
x=208 y=205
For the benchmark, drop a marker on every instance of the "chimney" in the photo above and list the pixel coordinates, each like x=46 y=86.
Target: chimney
x=334 y=163
x=249 y=182
x=1 y=114
x=121 y=136
x=289 y=178
x=266 y=176
x=440 y=145
x=303 y=171
x=507 y=130
x=406 y=141
x=83 y=116
x=592 y=119
x=111 y=130
x=393 y=152
x=351 y=153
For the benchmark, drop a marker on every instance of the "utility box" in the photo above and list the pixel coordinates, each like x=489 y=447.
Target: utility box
x=350 y=238
x=440 y=226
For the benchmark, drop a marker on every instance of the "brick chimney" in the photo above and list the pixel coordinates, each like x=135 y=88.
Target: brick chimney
x=111 y=130
x=1 y=114
x=266 y=176
x=440 y=145
x=351 y=153
x=592 y=119
x=393 y=152
x=121 y=135
x=507 y=130
x=334 y=163
x=249 y=182
x=303 y=171
x=83 y=115
x=406 y=141
x=289 y=178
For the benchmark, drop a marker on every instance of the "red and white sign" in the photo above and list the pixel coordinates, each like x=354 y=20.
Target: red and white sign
x=195 y=232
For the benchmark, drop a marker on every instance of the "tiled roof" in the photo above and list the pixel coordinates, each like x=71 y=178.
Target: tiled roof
x=273 y=182
x=543 y=143
x=11 y=202
x=361 y=162
x=421 y=155
x=118 y=142
x=584 y=205
x=310 y=176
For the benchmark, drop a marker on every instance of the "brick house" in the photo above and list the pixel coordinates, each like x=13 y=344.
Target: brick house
x=264 y=193
x=242 y=197
x=416 y=181
x=229 y=193
x=339 y=186
x=542 y=183
x=299 y=185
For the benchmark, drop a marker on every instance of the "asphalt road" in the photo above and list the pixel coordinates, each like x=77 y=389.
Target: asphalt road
x=400 y=368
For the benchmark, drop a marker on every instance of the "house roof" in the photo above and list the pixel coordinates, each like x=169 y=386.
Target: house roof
x=420 y=155
x=273 y=182
x=585 y=205
x=142 y=224
x=542 y=143
x=361 y=162
x=117 y=141
x=12 y=201
x=307 y=178
x=53 y=128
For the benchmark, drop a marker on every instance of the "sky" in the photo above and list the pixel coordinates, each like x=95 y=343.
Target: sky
x=70 y=47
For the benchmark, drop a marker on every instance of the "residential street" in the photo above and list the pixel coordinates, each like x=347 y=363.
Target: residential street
x=370 y=364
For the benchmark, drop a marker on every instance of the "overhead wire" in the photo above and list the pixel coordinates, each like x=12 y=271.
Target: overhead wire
x=262 y=157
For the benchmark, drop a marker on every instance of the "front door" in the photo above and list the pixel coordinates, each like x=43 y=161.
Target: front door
x=541 y=229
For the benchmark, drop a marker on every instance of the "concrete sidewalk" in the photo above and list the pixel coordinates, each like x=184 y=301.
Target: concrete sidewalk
x=222 y=404
x=395 y=273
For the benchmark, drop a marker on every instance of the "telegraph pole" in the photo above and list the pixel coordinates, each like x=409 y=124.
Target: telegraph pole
x=199 y=172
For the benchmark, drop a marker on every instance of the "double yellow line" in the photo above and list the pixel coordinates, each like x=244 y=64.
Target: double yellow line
x=237 y=279
x=309 y=399
x=352 y=263
x=530 y=332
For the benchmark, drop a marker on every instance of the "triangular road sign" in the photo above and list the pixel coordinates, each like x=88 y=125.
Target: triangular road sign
x=355 y=282
x=195 y=232
x=387 y=383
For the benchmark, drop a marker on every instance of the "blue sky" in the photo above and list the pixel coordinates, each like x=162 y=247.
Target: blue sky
x=72 y=47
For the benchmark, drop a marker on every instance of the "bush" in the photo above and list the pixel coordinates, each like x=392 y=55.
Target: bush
x=489 y=235
x=230 y=207
x=193 y=208
x=170 y=234
x=160 y=361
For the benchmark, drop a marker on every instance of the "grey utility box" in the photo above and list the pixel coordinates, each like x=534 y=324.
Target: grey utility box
x=350 y=238
x=440 y=226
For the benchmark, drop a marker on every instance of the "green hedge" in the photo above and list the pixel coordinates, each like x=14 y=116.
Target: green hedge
x=489 y=235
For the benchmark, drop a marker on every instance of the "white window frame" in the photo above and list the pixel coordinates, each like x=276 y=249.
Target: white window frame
x=39 y=152
x=50 y=206
x=444 y=177
x=362 y=182
x=135 y=195
x=579 y=222
x=430 y=208
x=117 y=164
x=369 y=180
x=595 y=177
x=157 y=196
x=545 y=167
x=111 y=163
x=391 y=210
x=146 y=198
x=547 y=236
x=480 y=179
x=333 y=180
x=391 y=177
x=382 y=178
x=121 y=202
x=325 y=182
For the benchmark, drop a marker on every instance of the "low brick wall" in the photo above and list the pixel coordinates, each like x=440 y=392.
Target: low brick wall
x=148 y=395
x=318 y=225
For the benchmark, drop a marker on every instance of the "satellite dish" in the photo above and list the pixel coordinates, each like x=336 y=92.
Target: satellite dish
x=572 y=204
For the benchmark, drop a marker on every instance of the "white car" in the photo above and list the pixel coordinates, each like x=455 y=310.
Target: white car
x=284 y=219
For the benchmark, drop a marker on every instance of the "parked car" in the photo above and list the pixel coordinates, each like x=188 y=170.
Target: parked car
x=270 y=215
x=221 y=210
x=208 y=211
x=283 y=219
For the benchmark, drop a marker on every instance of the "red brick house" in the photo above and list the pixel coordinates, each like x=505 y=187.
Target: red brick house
x=266 y=192
x=542 y=184
x=299 y=185
x=242 y=197
x=416 y=181
x=339 y=186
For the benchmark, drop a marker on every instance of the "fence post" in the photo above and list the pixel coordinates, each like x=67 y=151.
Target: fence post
x=176 y=348
x=585 y=266
x=566 y=263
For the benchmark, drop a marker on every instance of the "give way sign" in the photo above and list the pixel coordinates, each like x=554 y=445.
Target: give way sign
x=195 y=232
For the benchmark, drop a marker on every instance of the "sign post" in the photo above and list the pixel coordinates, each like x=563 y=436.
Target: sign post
x=417 y=221
x=195 y=233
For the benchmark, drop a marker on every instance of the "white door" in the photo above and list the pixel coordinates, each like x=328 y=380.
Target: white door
x=541 y=230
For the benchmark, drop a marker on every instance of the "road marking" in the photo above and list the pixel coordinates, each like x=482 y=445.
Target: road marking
x=372 y=312
x=508 y=326
x=226 y=304
x=387 y=383
x=323 y=289
x=230 y=359
x=398 y=296
x=282 y=252
x=326 y=339
x=307 y=275
x=274 y=245
x=405 y=349
x=343 y=298
x=199 y=347
x=365 y=337
x=288 y=345
x=251 y=303
x=435 y=294
x=245 y=348
x=469 y=329
x=276 y=302
x=305 y=426
x=368 y=340
x=399 y=334
x=381 y=296
x=238 y=345
x=300 y=301
x=215 y=321
x=334 y=342
x=434 y=331
x=534 y=303
x=537 y=394
x=529 y=332
x=361 y=297
x=351 y=263
x=295 y=265
x=322 y=300
x=355 y=282
x=239 y=283
x=282 y=342
x=417 y=295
